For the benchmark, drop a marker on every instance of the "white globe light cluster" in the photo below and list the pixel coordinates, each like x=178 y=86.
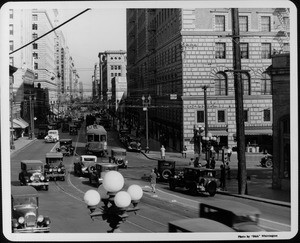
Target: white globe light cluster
x=113 y=181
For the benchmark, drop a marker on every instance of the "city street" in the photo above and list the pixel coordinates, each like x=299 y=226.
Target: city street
x=64 y=204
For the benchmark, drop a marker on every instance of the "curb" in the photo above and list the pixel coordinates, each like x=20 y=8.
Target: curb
x=20 y=149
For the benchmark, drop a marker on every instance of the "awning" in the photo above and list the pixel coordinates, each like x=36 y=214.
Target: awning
x=19 y=123
x=259 y=132
x=219 y=133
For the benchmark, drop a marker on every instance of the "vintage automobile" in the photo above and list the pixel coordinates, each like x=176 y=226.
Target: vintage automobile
x=83 y=166
x=65 y=127
x=52 y=136
x=198 y=225
x=196 y=180
x=66 y=147
x=118 y=156
x=32 y=174
x=73 y=130
x=54 y=168
x=267 y=160
x=238 y=216
x=25 y=217
x=42 y=131
x=98 y=172
x=165 y=169
x=134 y=146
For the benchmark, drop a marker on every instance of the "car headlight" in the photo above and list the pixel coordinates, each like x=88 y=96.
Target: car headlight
x=126 y=162
x=50 y=170
x=59 y=170
x=40 y=218
x=42 y=178
x=47 y=221
x=21 y=220
x=31 y=178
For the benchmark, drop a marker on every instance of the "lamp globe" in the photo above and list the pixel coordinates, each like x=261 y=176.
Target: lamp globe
x=122 y=199
x=135 y=192
x=113 y=181
x=92 y=198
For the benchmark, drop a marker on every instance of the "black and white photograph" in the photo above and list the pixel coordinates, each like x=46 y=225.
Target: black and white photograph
x=149 y=120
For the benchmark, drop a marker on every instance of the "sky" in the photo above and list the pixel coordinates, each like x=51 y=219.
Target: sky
x=92 y=32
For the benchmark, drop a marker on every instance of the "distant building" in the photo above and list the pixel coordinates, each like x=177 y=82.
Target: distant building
x=280 y=73
x=172 y=53
x=112 y=64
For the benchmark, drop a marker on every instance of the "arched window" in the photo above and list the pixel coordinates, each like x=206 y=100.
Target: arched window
x=266 y=84
x=221 y=84
x=246 y=84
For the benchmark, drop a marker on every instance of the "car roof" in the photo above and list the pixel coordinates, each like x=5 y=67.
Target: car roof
x=65 y=139
x=54 y=155
x=106 y=164
x=31 y=162
x=201 y=225
x=53 y=131
x=118 y=149
x=88 y=156
x=235 y=207
x=23 y=191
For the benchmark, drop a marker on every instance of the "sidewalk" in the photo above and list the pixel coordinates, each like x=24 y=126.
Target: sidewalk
x=259 y=183
x=20 y=144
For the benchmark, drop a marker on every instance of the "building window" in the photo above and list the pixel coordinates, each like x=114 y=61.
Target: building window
x=112 y=67
x=11 y=61
x=266 y=23
x=34 y=46
x=220 y=23
x=200 y=116
x=267 y=115
x=244 y=47
x=34 y=36
x=286 y=23
x=243 y=20
x=220 y=50
x=34 y=17
x=34 y=26
x=35 y=55
x=11 y=29
x=246 y=115
x=266 y=50
x=221 y=84
x=266 y=84
x=221 y=115
x=246 y=84
x=11 y=45
x=36 y=65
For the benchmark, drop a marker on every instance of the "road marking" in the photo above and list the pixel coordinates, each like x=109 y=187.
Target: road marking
x=138 y=226
x=53 y=147
x=154 y=221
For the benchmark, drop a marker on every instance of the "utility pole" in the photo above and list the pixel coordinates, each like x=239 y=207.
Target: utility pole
x=204 y=87
x=238 y=86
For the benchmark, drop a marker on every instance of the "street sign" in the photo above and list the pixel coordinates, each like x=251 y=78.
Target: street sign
x=173 y=96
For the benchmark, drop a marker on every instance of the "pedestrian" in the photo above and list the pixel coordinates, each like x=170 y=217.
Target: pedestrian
x=229 y=152
x=163 y=152
x=213 y=163
x=223 y=177
x=227 y=169
x=153 y=177
x=184 y=151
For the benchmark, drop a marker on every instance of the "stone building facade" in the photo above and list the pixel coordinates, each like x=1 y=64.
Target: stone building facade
x=172 y=53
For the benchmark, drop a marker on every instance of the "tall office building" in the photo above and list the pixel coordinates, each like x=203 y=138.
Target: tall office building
x=173 y=53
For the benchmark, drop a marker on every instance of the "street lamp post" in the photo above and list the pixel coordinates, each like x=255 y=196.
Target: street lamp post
x=209 y=140
x=197 y=132
x=115 y=208
x=146 y=104
x=31 y=108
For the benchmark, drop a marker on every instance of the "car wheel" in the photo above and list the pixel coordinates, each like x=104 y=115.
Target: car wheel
x=166 y=174
x=211 y=188
x=119 y=162
x=46 y=188
x=269 y=163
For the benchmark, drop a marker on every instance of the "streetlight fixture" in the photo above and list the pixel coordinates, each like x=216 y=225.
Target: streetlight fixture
x=146 y=104
x=198 y=131
x=117 y=204
x=209 y=140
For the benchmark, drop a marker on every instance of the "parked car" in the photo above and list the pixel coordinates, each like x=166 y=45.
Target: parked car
x=52 y=137
x=198 y=225
x=267 y=160
x=98 y=172
x=134 y=146
x=54 y=168
x=32 y=174
x=25 y=217
x=66 y=147
x=196 y=180
x=73 y=130
x=83 y=166
x=238 y=216
x=118 y=156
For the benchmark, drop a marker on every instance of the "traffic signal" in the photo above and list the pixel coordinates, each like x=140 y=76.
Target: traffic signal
x=224 y=155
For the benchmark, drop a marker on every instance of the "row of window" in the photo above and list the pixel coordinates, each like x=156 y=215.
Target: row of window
x=221 y=116
x=265 y=23
x=117 y=67
x=115 y=74
x=221 y=84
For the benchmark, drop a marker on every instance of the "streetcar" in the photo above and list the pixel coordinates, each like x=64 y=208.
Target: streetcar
x=96 y=136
